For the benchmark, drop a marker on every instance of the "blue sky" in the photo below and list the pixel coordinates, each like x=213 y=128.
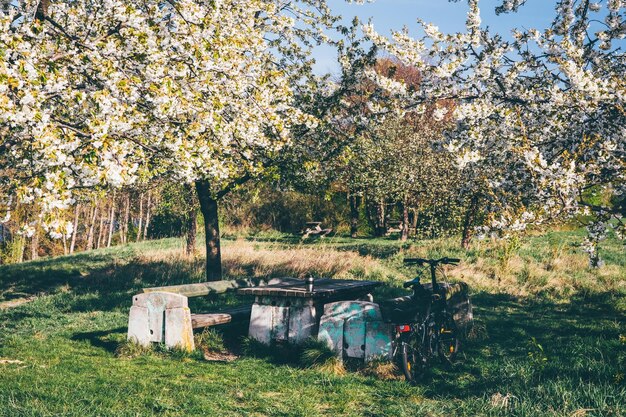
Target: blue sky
x=450 y=17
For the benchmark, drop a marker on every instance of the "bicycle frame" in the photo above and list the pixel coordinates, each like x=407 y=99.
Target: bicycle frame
x=429 y=332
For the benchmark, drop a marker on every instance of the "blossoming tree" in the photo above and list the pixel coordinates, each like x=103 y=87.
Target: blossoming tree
x=111 y=92
x=540 y=118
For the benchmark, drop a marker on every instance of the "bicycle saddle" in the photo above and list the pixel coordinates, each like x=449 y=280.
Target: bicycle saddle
x=415 y=281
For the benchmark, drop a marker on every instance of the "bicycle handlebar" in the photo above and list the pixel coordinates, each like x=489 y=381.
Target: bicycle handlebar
x=432 y=262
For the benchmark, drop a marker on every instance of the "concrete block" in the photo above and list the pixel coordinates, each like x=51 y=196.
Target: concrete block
x=178 y=329
x=138 y=326
x=260 y=323
x=302 y=323
x=279 y=331
x=282 y=320
x=355 y=329
x=354 y=336
x=331 y=333
x=147 y=318
x=378 y=338
x=160 y=300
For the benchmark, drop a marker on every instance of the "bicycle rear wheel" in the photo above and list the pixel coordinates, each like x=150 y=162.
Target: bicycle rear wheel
x=412 y=360
x=448 y=343
x=416 y=350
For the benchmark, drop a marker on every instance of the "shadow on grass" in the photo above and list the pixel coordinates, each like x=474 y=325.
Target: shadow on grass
x=101 y=339
x=99 y=281
x=519 y=345
x=381 y=248
x=375 y=251
x=527 y=342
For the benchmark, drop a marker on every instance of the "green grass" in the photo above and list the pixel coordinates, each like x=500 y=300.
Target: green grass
x=535 y=350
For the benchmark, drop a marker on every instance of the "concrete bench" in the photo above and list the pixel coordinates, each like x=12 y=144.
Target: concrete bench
x=162 y=315
x=393 y=226
x=314 y=229
x=355 y=329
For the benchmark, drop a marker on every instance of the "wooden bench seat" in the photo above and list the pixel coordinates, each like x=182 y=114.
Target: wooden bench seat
x=235 y=314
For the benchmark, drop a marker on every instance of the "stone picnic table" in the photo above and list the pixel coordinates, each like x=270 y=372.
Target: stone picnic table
x=291 y=312
x=314 y=229
x=393 y=226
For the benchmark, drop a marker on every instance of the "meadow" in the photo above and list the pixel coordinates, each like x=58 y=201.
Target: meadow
x=549 y=337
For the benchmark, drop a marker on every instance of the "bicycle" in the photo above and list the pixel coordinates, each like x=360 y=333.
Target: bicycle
x=424 y=326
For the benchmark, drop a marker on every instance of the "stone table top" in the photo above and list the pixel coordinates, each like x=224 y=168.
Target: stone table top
x=322 y=288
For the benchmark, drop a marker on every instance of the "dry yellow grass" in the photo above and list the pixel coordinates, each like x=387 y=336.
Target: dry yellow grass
x=243 y=257
x=246 y=259
x=382 y=369
x=522 y=271
x=560 y=274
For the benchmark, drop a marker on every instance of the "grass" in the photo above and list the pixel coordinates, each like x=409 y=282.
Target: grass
x=549 y=340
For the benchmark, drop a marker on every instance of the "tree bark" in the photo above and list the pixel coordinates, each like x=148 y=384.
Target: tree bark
x=354 y=215
x=415 y=218
x=191 y=233
x=404 y=235
x=64 y=244
x=92 y=226
x=468 y=223
x=147 y=224
x=191 y=228
x=34 y=244
x=140 y=226
x=209 y=210
x=75 y=231
x=111 y=222
x=101 y=228
x=124 y=228
x=380 y=219
x=42 y=10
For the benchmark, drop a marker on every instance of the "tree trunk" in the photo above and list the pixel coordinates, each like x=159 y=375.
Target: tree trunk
x=111 y=222
x=191 y=228
x=34 y=244
x=139 y=227
x=64 y=244
x=380 y=219
x=414 y=219
x=92 y=226
x=354 y=215
x=468 y=223
x=124 y=227
x=208 y=208
x=42 y=9
x=370 y=215
x=75 y=231
x=191 y=232
x=101 y=228
x=404 y=235
x=148 y=207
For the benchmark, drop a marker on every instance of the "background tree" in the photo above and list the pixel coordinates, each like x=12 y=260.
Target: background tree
x=539 y=119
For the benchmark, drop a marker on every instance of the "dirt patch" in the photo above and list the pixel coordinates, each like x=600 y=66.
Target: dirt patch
x=219 y=356
x=16 y=302
x=10 y=362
